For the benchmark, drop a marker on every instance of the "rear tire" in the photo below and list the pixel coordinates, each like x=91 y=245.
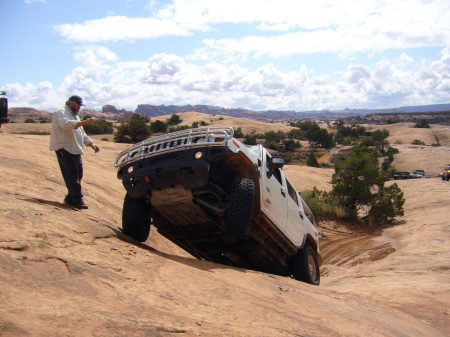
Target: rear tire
x=305 y=266
x=240 y=209
x=136 y=218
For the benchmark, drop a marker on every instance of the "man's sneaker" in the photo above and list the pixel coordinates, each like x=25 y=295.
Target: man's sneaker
x=80 y=205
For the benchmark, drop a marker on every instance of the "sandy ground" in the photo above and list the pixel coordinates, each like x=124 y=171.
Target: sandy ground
x=72 y=273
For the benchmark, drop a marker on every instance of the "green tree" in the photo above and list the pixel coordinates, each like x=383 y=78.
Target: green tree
x=319 y=137
x=174 y=120
x=133 y=131
x=312 y=160
x=387 y=203
x=379 y=140
x=359 y=186
x=158 y=126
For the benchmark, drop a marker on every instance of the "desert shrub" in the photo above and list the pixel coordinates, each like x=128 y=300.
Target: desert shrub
x=140 y=117
x=178 y=128
x=29 y=120
x=238 y=133
x=290 y=145
x=250 y=139
x=133 y=131
x=36 y=133
x=417 y=142
x=293 y=158
x=422 y=124
x=99 y=127
x=322 y=204
x=297 y=134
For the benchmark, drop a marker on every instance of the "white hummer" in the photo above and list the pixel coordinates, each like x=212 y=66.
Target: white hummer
x=220 y=200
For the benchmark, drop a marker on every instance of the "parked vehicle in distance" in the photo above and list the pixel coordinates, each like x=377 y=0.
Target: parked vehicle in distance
x=3 y=108
x=446 y=173
x=418 y=174
x=220 y=200
x=402 y=175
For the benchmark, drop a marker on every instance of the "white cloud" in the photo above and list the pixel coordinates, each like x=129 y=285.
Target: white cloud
x=343 y=27
x=169 y=79
x=116 y=28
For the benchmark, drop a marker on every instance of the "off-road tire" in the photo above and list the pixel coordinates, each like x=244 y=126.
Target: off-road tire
x=136 y=218
x=240 y=208
x=305 y=266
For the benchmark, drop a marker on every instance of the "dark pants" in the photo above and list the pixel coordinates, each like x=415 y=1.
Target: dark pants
x=72 y=172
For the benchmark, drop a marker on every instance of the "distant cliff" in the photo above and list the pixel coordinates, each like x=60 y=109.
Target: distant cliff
x=112 y=109
x=275 y=115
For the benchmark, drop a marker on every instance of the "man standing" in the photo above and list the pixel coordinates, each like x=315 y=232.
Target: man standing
x=67 y=139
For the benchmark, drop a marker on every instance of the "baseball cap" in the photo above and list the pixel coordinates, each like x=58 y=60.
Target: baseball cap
x=76 y=99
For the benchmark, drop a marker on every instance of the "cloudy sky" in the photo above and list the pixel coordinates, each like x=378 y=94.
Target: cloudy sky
x=256 y=54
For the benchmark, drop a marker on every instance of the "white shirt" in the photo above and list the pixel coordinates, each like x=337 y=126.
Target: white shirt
x=63 y=134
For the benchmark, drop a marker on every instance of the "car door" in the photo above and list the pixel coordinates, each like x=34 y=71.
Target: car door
x=295 y=228
x=273 y=193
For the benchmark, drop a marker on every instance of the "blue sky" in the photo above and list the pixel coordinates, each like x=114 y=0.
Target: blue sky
x=255 y=54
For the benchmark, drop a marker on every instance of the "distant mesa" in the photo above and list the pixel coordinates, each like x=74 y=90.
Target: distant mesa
x=112 y=109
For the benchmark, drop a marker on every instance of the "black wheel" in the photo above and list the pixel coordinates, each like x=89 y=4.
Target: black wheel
x=136 y=218
x=305 y=266
x=240 y=209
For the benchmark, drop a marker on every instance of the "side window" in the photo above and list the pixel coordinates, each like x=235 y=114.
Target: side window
x=308 y=213
x=277 y=175
x=291 y=192
x=268 y=166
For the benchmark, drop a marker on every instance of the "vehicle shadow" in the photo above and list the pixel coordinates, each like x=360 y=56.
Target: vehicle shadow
x=191 y=262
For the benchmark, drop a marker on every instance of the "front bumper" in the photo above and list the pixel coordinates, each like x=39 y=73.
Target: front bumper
x=187 y=167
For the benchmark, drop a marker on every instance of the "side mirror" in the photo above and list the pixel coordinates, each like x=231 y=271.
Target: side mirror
x=273 y=164
x=277 y=162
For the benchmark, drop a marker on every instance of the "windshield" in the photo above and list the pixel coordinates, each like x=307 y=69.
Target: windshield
x=256 y=149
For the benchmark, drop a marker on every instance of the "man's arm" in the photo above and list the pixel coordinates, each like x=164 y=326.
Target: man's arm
x=94 y=147
x=87 y=121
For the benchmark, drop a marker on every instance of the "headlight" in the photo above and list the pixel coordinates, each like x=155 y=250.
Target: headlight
x=198 y=155
x=130 y=169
